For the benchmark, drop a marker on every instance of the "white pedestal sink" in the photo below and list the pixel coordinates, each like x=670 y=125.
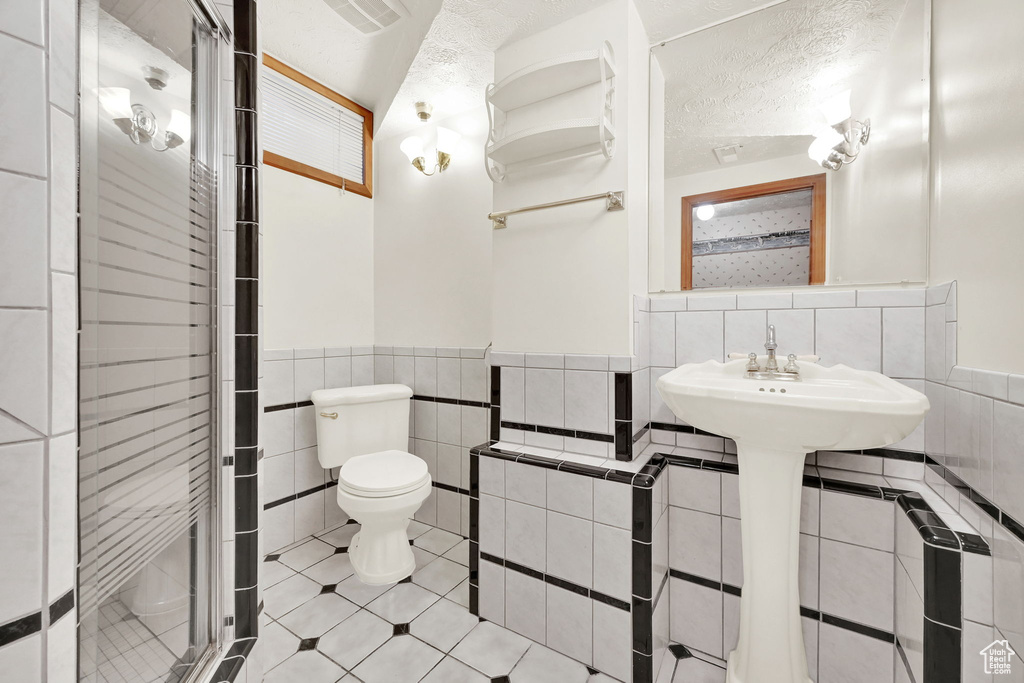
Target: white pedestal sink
x=775 y=424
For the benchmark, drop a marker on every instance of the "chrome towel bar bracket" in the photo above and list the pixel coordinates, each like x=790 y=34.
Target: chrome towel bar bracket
x=614 y=201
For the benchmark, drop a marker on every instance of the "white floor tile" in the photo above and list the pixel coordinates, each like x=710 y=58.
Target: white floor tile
x=402 y=659
x=403 y=603
x=491 y=649
x=319 y=615
x=443 y=625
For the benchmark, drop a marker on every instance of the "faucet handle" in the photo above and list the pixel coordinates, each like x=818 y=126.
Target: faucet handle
x=791 y=366
x=752 y=365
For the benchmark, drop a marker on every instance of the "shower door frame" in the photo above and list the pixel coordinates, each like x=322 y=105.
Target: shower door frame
x=218 y=114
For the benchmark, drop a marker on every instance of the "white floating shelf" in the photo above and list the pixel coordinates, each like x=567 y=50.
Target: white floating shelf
x=554 y=141
x=552 y=77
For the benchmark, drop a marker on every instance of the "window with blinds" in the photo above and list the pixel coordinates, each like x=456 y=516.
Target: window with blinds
x=313 y=131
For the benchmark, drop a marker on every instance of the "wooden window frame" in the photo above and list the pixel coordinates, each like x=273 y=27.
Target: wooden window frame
x=815 y=183
x=365 y=188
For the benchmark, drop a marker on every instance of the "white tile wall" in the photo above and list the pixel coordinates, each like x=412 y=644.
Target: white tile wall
x=38 y=323
x=440 y=433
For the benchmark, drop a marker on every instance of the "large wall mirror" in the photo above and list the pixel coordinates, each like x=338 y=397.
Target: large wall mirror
x=789 y=146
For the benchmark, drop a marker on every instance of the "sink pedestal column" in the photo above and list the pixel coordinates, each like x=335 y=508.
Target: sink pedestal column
x=771 y=643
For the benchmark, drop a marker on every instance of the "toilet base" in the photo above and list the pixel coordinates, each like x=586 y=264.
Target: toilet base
x=384 y=560
x=380 y=553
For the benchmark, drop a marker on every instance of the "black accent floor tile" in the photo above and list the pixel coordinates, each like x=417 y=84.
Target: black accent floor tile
x=308 y=644
x=329 y=588
x=500 y=679
x=407 y=579
x=401 y=630
x=339 y=551
x=271 y=558
x=679 y=651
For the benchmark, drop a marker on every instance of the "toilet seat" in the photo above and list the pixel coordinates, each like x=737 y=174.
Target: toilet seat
x=383 y=474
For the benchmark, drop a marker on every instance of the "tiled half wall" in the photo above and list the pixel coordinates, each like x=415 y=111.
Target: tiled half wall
x=448 y=415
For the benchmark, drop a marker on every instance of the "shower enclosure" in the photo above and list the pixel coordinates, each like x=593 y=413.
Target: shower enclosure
x=148 y=520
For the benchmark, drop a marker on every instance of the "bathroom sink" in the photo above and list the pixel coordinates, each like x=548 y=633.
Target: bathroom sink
x=836 y=408
x=775 y=423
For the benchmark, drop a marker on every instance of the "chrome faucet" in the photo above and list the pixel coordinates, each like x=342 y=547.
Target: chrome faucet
x=771 y=368
x=772 y=365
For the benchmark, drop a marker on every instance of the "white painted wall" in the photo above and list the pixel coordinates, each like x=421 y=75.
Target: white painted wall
x=721 y=179
x=562 y=277
x=880 y=202
x=317 y=264
x=432 y=243
x=977 y=219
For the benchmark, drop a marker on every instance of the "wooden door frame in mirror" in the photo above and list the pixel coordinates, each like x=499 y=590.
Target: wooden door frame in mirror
x=815 y=183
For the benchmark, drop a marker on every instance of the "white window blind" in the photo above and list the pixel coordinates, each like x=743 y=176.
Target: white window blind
x=303 y=125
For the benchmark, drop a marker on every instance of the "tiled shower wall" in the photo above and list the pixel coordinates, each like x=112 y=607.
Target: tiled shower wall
x=448 y=416
x=38 y=324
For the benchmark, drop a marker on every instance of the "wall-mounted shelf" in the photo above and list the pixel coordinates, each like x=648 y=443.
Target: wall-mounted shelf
x=560 y=139
x=551 y=142
x=552 y=77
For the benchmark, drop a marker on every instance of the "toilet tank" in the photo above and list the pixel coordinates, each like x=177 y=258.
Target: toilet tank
x=360 y=420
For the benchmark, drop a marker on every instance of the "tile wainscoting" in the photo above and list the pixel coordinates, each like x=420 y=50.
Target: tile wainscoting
x=448 y=415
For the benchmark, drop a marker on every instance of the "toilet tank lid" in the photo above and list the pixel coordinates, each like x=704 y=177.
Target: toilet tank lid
x=323 y=398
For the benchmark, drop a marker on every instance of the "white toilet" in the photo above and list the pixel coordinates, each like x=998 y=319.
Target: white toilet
x=365 y=431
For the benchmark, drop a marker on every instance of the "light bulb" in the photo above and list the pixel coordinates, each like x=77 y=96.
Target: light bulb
x=706 y=212
x=412 y=147
x=117 y=102
x=837 y=109
x=447 y=140
x=823 y=143
x=180 y=125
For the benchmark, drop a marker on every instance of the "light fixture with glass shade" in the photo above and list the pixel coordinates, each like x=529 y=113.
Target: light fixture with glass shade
x=841 y=140
x=140 y=124
x=413 y=147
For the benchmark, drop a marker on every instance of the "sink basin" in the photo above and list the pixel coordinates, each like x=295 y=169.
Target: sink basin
x=836 y=408
x=775 y=424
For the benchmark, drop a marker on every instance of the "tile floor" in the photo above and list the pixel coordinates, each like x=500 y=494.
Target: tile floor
x=323 y=625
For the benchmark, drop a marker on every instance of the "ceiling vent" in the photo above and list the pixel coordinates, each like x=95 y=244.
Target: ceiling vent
x=369 y=16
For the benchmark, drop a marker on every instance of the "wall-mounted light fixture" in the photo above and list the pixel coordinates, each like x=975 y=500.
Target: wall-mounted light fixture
x=140 y=124
x=841 y=140
x=413 y=146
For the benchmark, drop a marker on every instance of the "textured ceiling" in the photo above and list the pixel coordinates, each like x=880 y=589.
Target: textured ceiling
x=757 y=81
x=313 y=38
x=456 y=60
x=664 y=19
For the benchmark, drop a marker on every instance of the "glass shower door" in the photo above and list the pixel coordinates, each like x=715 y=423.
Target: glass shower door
x=147 y=353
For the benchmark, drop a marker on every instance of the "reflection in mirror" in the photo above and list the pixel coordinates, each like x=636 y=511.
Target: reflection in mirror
x=767 y=235
x=746 y=112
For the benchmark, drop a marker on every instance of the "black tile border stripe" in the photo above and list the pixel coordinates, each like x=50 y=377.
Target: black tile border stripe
x=287 y=406
x=24 y=626
x=556 y=581
x=246 y=338
x=807 y=612
x=332 y=484
x=997 y=514
x=416 y=397
x=559 y=431
x=61 y=606
x=20 y=628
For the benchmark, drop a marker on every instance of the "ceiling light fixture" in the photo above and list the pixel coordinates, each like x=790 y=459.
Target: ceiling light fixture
x=414 y=149
x=140 y=124
x=840 y=142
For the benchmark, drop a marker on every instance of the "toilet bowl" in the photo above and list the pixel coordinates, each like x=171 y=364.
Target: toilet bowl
x=365 y=431
x=382 y=491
